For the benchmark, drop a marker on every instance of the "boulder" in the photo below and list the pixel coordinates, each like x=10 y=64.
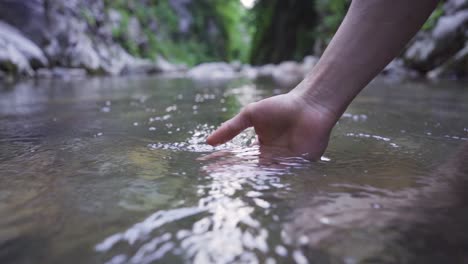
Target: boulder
x=164 y=66
x=27 y=16
x=288 y=74
x=61 y=73
x=213 y=70
x=81 y=54
x=431 y=49
x=453 y=6
x=396 y=70
x=308 y=63
x=18 y=55
x=453 y=68
x=265 y=72
x=249 y=72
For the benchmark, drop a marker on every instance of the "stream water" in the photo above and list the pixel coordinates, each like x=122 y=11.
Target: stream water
x=115 y=170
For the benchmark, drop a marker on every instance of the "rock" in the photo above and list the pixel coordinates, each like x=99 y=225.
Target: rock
x=163 y=66
x=308 y=63
x=455 y=67
x=12 y=61
x=288 y=73
x=61 y=73
x=114 y=60
x=236 y=65
x=249 y=72
x=43 y=73
x=17 y=53
x=213 y=70
x=145 y=66
x=134 y=31
x=265 y=72
x=453 y=6
x=115 y=18
x=431 y=49
x=83 y=55
x=27 y=16
x=396 y=70
x=448 y=26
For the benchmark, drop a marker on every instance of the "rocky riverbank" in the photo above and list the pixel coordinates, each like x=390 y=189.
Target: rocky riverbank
x=75 y=38
x=40 y=38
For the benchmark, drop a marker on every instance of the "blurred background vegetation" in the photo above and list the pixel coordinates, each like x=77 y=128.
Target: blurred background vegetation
x=192 y=32
x=187 y=32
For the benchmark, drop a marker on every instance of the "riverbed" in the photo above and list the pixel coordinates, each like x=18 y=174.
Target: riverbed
x=115 y=170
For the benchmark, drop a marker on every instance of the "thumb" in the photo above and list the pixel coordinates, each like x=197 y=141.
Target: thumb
x=230 y=129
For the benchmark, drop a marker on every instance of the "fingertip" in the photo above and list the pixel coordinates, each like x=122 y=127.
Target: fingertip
x=228 y=130
x=210 y=140
x=215 y=138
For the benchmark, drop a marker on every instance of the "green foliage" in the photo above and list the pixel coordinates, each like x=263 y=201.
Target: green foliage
x=432 y=20
x=283 y=30
x=230 y=15
x=331 y=14
x=217 y=30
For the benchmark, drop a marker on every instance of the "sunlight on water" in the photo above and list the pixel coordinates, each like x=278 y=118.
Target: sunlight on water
x=118 y=171
x=196 y=143
x=227 y=227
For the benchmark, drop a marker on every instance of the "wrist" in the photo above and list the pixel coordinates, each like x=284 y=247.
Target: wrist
x=329 y=87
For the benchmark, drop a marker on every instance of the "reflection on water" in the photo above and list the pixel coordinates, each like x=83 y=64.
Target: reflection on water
x=226 y=225
x=117 y=171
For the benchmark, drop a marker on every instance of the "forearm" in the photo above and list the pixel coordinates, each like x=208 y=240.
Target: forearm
x=371 y=35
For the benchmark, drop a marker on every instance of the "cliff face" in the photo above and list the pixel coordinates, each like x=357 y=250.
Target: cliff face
x=61 y=35
x=112 y=37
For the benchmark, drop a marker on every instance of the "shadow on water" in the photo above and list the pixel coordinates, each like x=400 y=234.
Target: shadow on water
x=117 y=171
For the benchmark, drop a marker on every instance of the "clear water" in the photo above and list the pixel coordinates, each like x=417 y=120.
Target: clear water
x=116 y=171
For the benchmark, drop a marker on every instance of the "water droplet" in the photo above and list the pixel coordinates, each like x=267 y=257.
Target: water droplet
x=106 y=109
x=282 y=251
x=324 y=220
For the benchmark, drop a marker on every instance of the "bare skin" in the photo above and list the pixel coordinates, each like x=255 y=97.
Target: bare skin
x=371 y=35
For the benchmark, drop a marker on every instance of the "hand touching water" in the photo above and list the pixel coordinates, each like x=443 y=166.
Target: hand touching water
x=370 y=36
x=283 y=121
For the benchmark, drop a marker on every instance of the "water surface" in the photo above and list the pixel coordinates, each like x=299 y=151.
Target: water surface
x=115 y=170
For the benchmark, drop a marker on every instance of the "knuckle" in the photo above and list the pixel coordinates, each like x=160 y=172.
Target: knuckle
x=248 y=109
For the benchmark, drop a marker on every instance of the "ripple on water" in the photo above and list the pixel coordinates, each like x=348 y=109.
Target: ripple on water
x=196 y=141
x=227 y=223
x=375 y=137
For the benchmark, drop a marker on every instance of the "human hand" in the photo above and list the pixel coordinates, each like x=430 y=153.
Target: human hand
x=285 y=121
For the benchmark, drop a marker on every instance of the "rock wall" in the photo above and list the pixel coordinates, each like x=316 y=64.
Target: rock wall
x=442 y=52
x=77 y=34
